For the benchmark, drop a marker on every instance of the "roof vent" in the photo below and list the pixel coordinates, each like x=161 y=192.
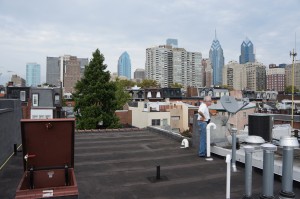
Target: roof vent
x=184 y=143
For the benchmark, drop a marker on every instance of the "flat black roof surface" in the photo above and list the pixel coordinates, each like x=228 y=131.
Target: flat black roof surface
x=120 y=164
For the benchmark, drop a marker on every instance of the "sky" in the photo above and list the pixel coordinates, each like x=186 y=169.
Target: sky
x=31 y=30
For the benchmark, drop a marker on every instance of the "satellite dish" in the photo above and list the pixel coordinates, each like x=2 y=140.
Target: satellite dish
x=229 y=104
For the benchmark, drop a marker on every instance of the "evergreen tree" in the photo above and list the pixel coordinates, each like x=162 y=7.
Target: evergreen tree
x=95 y=100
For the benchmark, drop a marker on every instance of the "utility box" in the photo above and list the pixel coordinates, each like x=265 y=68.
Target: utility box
x=261 y=125
x=48 y=151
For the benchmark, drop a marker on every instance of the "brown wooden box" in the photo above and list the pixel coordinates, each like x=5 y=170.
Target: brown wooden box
x=48 y=146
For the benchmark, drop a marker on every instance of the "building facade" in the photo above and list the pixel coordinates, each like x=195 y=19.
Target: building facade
x=247 y=53
x=168 y=66
x=256 y=76
x=275 y=79
x=217 y=60
x=71 y=74
x=234 y=76
x=57 y=65
x=124 y=65
x=33 y=74
x=207 y=73
x=18 y=81
x=289 y=77
x=139 y=74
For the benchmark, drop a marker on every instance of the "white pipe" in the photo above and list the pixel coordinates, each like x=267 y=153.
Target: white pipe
x=208 y=138
x=228 y=161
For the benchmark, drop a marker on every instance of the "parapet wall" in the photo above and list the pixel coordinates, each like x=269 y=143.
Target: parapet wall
x=10 y=128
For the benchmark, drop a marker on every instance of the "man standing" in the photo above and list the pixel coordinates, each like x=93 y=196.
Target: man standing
x=203 y=120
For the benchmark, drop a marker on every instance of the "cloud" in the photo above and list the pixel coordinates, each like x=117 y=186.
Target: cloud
x=32 y=30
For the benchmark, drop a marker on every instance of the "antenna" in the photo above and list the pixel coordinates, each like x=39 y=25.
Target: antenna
x=295 y=43
x=229 y=104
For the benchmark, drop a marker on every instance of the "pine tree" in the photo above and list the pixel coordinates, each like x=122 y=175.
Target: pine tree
x=95 y=100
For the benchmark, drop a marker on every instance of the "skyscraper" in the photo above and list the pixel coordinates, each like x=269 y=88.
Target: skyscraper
x=217 y=61
x=247 y=54
x=124 y=65
x=172 y=42
x=33 y=74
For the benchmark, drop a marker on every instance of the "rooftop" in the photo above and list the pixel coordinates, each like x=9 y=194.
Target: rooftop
x=119 y=165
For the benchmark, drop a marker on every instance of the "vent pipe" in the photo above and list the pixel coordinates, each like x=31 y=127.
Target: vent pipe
x=248 y=171
x=233 y=161
x=268 y=171
x=288 y=144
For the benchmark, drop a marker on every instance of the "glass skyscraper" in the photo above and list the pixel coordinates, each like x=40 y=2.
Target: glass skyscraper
x=124 y=65
x=217 y=61
x=172 y=42
x=33 y=74
x=247 y=54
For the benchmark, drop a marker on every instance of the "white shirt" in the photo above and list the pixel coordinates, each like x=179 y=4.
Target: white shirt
x=203 y=108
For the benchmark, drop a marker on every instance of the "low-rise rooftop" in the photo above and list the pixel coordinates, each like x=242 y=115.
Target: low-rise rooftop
x=123 y=165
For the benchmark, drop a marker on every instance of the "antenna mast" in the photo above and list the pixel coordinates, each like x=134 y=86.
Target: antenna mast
x=293 y=54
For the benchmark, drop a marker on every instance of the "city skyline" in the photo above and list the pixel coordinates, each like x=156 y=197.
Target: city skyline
x=271 y=28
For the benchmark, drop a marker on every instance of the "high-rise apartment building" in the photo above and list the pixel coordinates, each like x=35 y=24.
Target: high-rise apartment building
x=172 y=42
x=275 y=79
x=194 y=69
x=158 y=67
x=33 y=74
x=65 y=70
x=217 y=60
x=234 y=76
x=139 y=74
x=124 y=65
x=169 y=65
x=256 y=76
x=247 y=54
x=289 y=77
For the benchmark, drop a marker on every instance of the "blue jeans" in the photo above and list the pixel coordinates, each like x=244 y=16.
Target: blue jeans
x=202 y=131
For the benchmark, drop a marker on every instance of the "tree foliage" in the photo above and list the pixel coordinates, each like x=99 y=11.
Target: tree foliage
x=176 y=85
x=121 y=95
x=148 y=83
x=288 y=89
x=95 y=96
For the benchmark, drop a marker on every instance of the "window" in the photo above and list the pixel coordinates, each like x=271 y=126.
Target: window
x=56 y=98
x=175 y=118
x=23 y=96
x=35 y=99
x=156 y=122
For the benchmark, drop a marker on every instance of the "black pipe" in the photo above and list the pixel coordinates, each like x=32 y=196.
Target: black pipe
x=31 y=178
x=15 y=149
x=158 y=172
x=67 y=175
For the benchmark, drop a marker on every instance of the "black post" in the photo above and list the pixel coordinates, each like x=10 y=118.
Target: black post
x=158 y=172
x=15 y=149
x=66 y=175
x=31 y=178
